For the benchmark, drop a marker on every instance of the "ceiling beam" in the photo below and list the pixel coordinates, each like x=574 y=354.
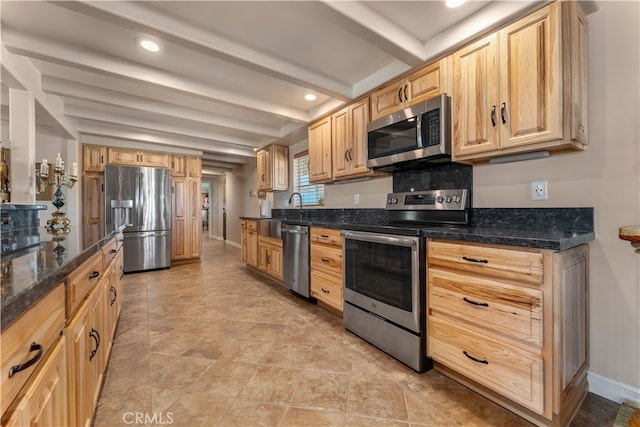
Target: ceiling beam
x=79 y=91
x=225 y=159
x=358 y=19
x=139 y=16
x=48 y=50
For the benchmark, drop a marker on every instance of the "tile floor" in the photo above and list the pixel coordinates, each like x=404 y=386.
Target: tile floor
x=216 y=343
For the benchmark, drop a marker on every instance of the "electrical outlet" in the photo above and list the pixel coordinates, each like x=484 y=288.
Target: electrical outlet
x=356 y=199
x=539 y=190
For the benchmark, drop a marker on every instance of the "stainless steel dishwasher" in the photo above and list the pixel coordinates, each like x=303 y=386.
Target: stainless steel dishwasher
x=295 y=245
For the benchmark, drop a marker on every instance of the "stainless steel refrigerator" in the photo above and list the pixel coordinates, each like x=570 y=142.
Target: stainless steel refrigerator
x=140 y=198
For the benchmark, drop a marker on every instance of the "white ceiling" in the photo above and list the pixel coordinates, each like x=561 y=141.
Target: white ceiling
x=231 y=75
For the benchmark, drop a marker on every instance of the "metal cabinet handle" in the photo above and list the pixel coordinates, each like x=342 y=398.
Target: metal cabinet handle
x=503 y=111
x=493 y=115
x=115 y=295
x=324 y=236
x=325 y=291
x=400 y=95
x=483 y=361
x=478 y=260
x=17 y=368
x=481 y=304
x=325 y=259
x=113 y=251
x=346 y=155
x=406 y=98
x=94 y=275
x=96 y=337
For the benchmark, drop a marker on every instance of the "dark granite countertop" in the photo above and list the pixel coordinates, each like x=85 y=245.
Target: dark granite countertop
x=29 y=274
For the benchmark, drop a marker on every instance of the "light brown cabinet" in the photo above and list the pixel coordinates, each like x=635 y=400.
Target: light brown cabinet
x=523 y=88
x=326 y=267
x=320 y=151
x=273 y=168
x=178 y=165
x=92 y=208
x=349 y=139
x=186 y=220
x=94 y=157
x=270 y=256
x=511 y=323
x=128 y=157
x=251 y=250
x=418 y=86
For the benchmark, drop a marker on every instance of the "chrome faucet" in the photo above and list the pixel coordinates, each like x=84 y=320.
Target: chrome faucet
x=291 y=200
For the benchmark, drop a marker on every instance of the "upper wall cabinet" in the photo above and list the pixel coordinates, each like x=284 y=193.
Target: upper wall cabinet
x=349 y=140
x=94 y=158
x=273 y=168
x=127 y=157
x=523 y=88
x=182 y=166
x=421 y=85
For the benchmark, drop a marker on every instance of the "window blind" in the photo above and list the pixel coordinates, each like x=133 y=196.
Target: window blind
x=312 y=194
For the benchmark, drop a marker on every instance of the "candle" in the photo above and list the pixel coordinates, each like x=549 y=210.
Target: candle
x=44 y=167
x=59 y=163
x=74 y=169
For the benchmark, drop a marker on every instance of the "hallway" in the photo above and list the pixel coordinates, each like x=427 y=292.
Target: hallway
x=216 y=343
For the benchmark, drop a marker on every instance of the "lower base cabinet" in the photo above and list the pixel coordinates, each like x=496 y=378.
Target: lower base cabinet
x=511 y=324
x=270 y=257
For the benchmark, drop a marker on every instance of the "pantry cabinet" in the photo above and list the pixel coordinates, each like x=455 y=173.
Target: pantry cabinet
x=420 y=85
x=349 y=141
x=273 y=168
x=94 y=157
x=320 y=151
x=186 y=220
x=523 y=88
x=92 y=208
x=128 y=157
x=511 y=323
x=326 y=267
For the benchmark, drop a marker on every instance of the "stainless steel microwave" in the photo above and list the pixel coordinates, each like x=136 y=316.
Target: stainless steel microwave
x=421 y=133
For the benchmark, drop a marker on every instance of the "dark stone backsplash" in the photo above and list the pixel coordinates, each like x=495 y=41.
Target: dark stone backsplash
x=554 y=219
x=445 y=176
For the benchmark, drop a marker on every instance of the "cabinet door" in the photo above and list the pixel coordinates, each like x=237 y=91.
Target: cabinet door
x=93 y=158
x=154 y=160
x=263 y=170
x=243 y=239
x=320 y=151
x=279 y=168
x=358 y=118
x=275 y=262
x=178 y=165
x=388 y=99
x=194 y=167
x=263 y=256
x=123 y=156
x=424 y=83
x=98 y=340
x=179 y=219
x=531 y=79
x=476 y=110
x=194 y=244
x=78 y=352
x=252 y=248
x=340 y=137
x=93 y=208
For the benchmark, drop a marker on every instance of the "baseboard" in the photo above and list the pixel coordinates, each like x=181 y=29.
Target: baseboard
x=613 y=390
x=229 y=242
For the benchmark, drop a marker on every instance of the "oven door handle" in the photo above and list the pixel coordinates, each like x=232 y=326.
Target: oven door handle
x=385 y=239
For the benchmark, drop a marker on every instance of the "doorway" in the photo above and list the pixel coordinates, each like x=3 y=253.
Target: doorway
x=214 y=188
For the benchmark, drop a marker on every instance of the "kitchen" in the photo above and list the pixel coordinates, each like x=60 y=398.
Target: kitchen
x=591 y=179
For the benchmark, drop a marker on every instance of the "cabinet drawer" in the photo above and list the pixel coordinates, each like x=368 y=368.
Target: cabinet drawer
x=326 y=259
x=514 y=373
x=32 y=334
x=252 y=226
x=515 y=311
x=327 y=236
x=327 y=288
x=109 y=251
x=82 y=280
x=505 y=263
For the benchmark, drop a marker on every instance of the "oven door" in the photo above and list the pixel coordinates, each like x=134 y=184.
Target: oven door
x=382 y=276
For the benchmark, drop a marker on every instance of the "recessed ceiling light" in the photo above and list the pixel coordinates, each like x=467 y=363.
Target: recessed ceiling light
x=455 y=3
x=149 y=45
x=310 y=97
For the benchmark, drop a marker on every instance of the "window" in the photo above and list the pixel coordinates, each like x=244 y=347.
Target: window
x=312 y=194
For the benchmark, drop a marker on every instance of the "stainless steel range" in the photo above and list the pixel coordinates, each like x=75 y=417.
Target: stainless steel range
x=385 y=271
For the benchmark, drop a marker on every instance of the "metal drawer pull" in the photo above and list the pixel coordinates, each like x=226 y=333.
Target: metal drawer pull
x=324 y=259
x=484 y=362
x=482 y=304
x=34 y=347
x=94 y=275
x=478 y=260
x=113 y=251
x=493 y=116
x=502 y=112
x=324 y=236
x=325 y=291
x=115 y=295
x=96 y=337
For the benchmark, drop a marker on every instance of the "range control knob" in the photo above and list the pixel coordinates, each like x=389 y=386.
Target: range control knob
x=392 y=201
x=447 y=199
x=439 y=199
x=456 y=199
